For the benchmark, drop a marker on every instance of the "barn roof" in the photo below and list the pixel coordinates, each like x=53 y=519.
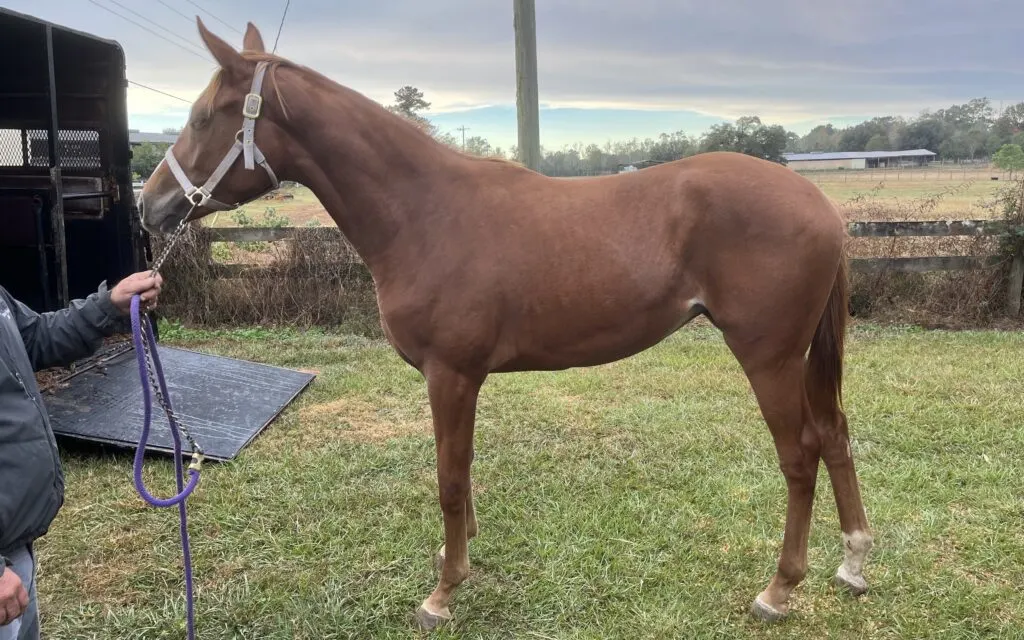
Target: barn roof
x=856 y=155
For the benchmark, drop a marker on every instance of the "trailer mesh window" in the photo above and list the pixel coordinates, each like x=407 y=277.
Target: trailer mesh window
x=77 y=148
x=12 y=148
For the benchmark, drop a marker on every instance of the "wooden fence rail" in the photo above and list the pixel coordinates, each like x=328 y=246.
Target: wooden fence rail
x=913 y=228
x=922 y=264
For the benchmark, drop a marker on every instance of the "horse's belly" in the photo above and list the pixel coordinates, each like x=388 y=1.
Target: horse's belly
x=582 y=340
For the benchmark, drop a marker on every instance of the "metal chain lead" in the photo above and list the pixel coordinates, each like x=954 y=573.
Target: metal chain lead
x=172 y=417
x=178 y=232
x=150 y=366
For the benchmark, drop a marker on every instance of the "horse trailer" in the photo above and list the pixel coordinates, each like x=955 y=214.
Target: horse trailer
x=69 y=221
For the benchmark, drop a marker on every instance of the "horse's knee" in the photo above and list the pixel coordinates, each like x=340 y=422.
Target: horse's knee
x=453 y=495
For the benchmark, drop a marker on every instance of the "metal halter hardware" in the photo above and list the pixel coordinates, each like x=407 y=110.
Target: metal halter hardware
x=252 y=108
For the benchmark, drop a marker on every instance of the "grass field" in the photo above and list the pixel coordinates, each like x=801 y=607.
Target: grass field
x=636 y=500
x=967 y=201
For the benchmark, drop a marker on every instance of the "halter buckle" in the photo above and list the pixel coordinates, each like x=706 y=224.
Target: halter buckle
x=253 y=106
x=204 y=196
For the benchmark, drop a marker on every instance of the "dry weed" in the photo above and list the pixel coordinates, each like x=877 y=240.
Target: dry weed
x=315 y=279
x=948 y=299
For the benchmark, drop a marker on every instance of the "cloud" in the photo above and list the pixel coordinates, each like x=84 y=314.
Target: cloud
x=788 y=60
x=791 y=58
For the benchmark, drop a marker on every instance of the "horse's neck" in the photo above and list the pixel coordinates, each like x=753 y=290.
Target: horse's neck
x=373 y=172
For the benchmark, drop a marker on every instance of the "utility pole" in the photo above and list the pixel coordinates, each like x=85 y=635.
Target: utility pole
x=525 y=25
x=463 y=129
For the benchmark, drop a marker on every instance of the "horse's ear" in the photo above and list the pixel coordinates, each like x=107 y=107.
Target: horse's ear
x=225 y=55
x=253 y=41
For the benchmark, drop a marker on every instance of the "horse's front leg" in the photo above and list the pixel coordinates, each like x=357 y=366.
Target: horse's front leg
x=472 y=528
x=453 y=397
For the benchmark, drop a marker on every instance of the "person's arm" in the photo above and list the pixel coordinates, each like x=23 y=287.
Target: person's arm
x=58 y=338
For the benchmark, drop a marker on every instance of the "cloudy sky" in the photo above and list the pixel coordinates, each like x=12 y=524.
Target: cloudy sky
x=608 y=69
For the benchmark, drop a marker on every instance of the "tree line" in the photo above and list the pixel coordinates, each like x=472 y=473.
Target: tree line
x=968 y=131
x=961 y=132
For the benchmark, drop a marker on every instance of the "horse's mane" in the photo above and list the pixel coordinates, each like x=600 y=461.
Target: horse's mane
x=275 y=61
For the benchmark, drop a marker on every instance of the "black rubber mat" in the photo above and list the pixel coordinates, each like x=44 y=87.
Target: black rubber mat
x=224 y=402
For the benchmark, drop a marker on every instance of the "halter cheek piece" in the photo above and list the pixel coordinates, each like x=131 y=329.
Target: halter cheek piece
x=251 y=110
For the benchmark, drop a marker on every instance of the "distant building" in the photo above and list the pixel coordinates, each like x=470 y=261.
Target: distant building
x=821 y=161
x=136 y=138
x=636 y=166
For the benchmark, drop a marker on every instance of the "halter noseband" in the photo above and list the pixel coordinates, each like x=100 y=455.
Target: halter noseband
x=251 y=110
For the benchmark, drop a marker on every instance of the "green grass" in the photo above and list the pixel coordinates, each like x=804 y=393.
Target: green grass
x=636 y=500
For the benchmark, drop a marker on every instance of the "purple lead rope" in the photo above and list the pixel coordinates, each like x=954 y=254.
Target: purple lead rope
x=138 y=334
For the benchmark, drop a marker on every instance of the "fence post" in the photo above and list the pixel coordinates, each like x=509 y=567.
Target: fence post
x=1013 y=295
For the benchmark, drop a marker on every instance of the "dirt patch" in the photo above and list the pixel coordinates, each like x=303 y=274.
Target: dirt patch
x=361 y=421
x=108 y=572
x=49 y=380
x=304 y=214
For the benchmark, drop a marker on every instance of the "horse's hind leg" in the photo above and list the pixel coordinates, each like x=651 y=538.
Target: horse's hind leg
x=778 y=384
x=833 y=433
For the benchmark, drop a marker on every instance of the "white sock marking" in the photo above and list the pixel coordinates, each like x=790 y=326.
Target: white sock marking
x=856 y=546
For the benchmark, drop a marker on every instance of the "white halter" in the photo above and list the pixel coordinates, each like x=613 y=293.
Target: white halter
x=251 y=109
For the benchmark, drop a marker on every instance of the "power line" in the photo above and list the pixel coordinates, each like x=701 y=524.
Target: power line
x=145 y=28
x=192 y=2
x=187 y=17
x=281 y=26
x=134 y=12
x=139 y=84
x=463 y=129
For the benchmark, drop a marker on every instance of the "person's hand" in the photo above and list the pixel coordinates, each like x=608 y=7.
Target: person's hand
x=13 y=597
x=143 y=283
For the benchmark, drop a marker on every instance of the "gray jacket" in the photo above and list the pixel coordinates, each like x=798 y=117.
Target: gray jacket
x=31 y=479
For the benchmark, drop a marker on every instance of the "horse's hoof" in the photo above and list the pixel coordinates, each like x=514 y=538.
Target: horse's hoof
x=765 y=612
x=430 y=620
x=854 y=585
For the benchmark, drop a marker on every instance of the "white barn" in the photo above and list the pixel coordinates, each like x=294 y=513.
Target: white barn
x=822 y=161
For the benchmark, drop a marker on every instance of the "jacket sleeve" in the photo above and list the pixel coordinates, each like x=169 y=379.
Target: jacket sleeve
x=58 y=338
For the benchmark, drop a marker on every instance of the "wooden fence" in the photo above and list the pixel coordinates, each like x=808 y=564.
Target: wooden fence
x=856 y=229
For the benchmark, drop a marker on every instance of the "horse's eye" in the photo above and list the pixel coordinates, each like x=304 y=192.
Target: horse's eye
x=199 y=122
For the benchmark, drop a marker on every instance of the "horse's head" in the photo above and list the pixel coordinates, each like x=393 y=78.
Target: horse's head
x=215 y=164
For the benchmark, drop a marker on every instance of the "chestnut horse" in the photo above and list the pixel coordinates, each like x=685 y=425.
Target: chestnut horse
x=483 y=266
